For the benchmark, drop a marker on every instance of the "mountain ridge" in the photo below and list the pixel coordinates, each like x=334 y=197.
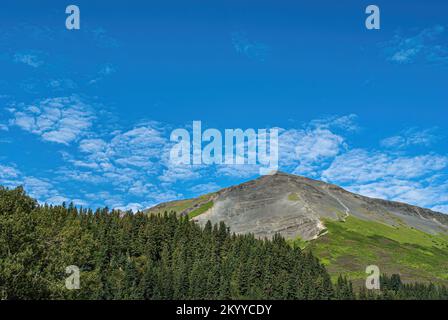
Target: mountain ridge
x=346 y=231
x=300 y=204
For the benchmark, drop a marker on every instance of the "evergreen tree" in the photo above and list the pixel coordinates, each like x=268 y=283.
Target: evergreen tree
x=122 y=255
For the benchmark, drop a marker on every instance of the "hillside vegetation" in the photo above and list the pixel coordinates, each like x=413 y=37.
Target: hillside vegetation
x=348 y=247
x=122 y=255
x=139 y=256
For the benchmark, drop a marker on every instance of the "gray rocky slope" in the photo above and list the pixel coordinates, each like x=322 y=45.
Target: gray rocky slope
x=296 y=206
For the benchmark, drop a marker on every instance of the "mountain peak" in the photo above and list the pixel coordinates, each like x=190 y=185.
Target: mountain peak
x=297 y=206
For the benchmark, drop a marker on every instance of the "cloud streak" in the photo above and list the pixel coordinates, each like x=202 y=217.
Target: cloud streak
x=363 y=166
x=427 y=45
x=411 y=137
x=60 y=120
x=29 y=59
x=41 y=189
x=251 y=49
x=417 y=180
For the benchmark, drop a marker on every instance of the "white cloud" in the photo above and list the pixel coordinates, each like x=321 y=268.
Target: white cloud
x=441 y=208
x=145 y=141
x=103 y=39
x=428 y=45
x=173 y=173
x=38 y=188
x=9 y=176
x=66 y=174
x=164 y=196
x=134 y=207
x=92 y=145
x=143 y=152
x=41 y=189
x=141 y=188
x=411 y=179
x=238 y=170
x=205 y=188
x=62 y=84
x=413 y=192
x=362 y=166
x=136 y=149
x=315 y=146
x=8 y=172
x=251 y=49
x=105 y=71
x=105 y=198
x=308 y=150
x=57 y=200
x=410 y=137
x=60 y=120
x=134 y=165
x=345 y=122
x=117 y=201
x=29 y=59
x=127 y=162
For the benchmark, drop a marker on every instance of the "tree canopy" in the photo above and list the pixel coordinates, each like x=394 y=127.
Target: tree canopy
x=125 y=255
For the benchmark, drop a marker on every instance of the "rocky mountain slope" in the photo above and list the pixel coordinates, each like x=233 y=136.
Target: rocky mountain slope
x=348 y=232
x=296 y=206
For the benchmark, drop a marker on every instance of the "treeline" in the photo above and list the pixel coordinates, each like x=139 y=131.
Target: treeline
x=135 y=256
x=392 y=288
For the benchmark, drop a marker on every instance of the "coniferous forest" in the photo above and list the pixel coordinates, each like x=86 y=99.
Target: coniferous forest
x=122 y=255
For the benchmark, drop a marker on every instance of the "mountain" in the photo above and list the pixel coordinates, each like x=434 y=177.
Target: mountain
x=346 y=230
x=296 y=206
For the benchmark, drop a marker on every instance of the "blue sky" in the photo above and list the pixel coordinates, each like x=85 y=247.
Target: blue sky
x=86 y=115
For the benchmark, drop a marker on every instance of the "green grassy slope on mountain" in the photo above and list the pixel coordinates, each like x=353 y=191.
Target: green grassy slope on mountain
x=203 y=208
x=349 y=247
x=184 y=207
x=348 y=232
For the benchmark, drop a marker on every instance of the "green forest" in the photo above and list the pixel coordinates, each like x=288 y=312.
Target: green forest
x=125 y=255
